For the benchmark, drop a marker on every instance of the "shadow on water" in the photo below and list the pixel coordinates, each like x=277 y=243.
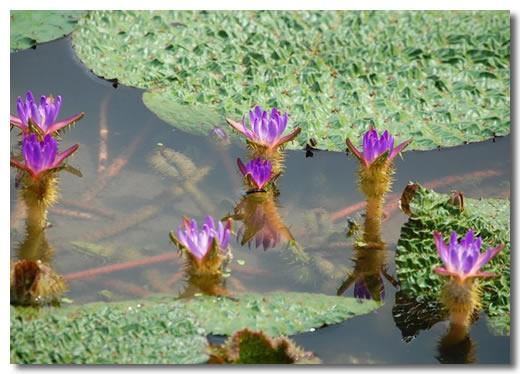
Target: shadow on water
x=158 y=174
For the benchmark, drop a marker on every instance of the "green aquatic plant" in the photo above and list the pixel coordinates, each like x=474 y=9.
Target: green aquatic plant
x=275 y=313
x=375 y=176
x=32 y=27
x=441 y=78
x=417 y=257
x=138 y=333
x=182 y=170
x=370 y=253
x=162 y=330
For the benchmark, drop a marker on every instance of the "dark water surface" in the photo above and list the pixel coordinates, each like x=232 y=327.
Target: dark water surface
x=309 y=188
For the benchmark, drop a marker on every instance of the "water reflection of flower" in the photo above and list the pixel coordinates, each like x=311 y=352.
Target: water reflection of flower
x=41 y=118
x=261 y=221
x=368 y=274
x=41 y=156
x=456 y=346
x=258 y=172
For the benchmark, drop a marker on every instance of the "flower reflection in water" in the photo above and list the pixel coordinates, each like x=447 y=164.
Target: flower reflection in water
x=456 y=346
x=368 y=274
x=262 y=224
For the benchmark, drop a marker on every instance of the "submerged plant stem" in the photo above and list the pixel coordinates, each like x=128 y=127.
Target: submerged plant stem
x=116 y=166
x=103 y=135
x=90 y=207
x=107 y=269
x=71 y=213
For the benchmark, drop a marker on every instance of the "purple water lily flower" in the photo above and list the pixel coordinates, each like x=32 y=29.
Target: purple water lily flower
x=42 y=118
x=265 y=129
x=259 y=170
x=375 y=145
x=41 y=156
x=462 y=259
x=198 y=242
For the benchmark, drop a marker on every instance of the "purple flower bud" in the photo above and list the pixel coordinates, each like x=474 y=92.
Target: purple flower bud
x=219 y=135
x=43 y=116
x=198 y=242
x=265 y=129
x=462 y=259
x=374 y=146
x=259 y=170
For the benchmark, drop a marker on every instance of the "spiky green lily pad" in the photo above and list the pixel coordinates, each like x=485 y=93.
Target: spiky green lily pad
x=161 y=329
x=277 y=313
x=441 y=78
x=416 y=255
x=31 y=27
x=108 y=334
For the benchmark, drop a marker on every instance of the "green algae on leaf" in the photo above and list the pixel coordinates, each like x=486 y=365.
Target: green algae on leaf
x=441 y=78
x=416 y=254
x=31 y=27
x=104 y=334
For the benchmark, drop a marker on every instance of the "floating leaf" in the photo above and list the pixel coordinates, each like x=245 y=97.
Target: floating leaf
x=436 y=77
x=278 y=313
x=105 y=334
x=416 y=255
x=31 y=27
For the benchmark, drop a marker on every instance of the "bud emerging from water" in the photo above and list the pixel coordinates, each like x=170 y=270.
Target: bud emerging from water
x=41 y=118
x=462 y=259
x=374 y=146
x=206 y=248
x=462 y=263
x=265 y=129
